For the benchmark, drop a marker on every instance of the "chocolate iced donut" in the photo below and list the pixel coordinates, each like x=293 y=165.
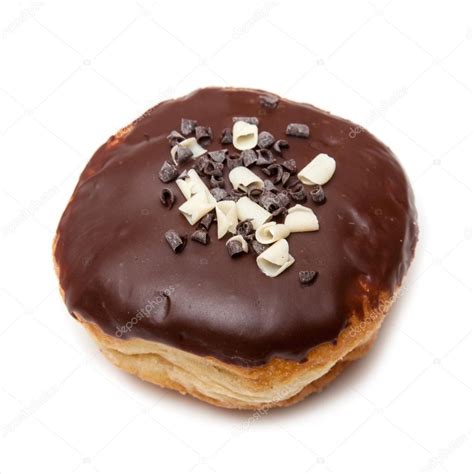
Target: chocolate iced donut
x=172 y=303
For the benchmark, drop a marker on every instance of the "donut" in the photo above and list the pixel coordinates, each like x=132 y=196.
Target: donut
x=236 y=246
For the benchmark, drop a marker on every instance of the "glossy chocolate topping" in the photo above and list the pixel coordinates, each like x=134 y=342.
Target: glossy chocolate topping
x=117 y=270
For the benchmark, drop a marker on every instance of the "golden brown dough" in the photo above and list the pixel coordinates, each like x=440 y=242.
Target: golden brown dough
x=278 y=383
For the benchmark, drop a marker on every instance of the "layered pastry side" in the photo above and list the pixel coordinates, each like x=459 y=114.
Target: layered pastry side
x=236 y=246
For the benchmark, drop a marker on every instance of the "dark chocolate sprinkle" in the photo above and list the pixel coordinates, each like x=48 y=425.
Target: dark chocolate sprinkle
x=234 y=247
x=317 y=194
x=200 y=165
x=235 y=195
x=218 y=194
x=176 y=242
x=217 y=182
x=252 y=120
x=203 y=135
x=188 y=126
x=264 y=157
x=280 y=212
x=174 y=138
x=279 y=145
x=283 y=198
x=218 y=156
x=297 y=130
x=292 y=181
x=285 y=177
x=204 y=166
x=254 y=190
x=269 y=101
x=168 y=172
x=269 y=201
x=307 y=276
x=274 y=170
x=298 y=193
x=290 y=165
x=257 y=247
x=201 y=236
x=269 y=186
x=249 y=157
x=265 y=139
x=226 y=136
x=245 y=229
x=167 y=198
x=207 y=220
x=183 y=154
x=212 y=168
x=233 y=161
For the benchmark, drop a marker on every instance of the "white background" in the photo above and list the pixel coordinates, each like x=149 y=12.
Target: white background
x=72 y=73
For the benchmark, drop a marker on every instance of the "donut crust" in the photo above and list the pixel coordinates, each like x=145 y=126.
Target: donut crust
x=278 y=383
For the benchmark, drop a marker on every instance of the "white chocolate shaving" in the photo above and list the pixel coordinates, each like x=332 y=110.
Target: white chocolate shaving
x=226 y=213
x=275 y=259
x=199 y=200
x=318 y=171
x=196 y=207
x=271 y=232
x=190 y=143
x=192 y=184
x=241 y=178
x=243 y=242
x=301 y=219
x=248 y=209
x=244 y=135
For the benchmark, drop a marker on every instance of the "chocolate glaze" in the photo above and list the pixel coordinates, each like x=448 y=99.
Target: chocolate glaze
x=116 y=268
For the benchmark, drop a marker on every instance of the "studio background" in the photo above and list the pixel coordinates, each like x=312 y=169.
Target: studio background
x=72 y=73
